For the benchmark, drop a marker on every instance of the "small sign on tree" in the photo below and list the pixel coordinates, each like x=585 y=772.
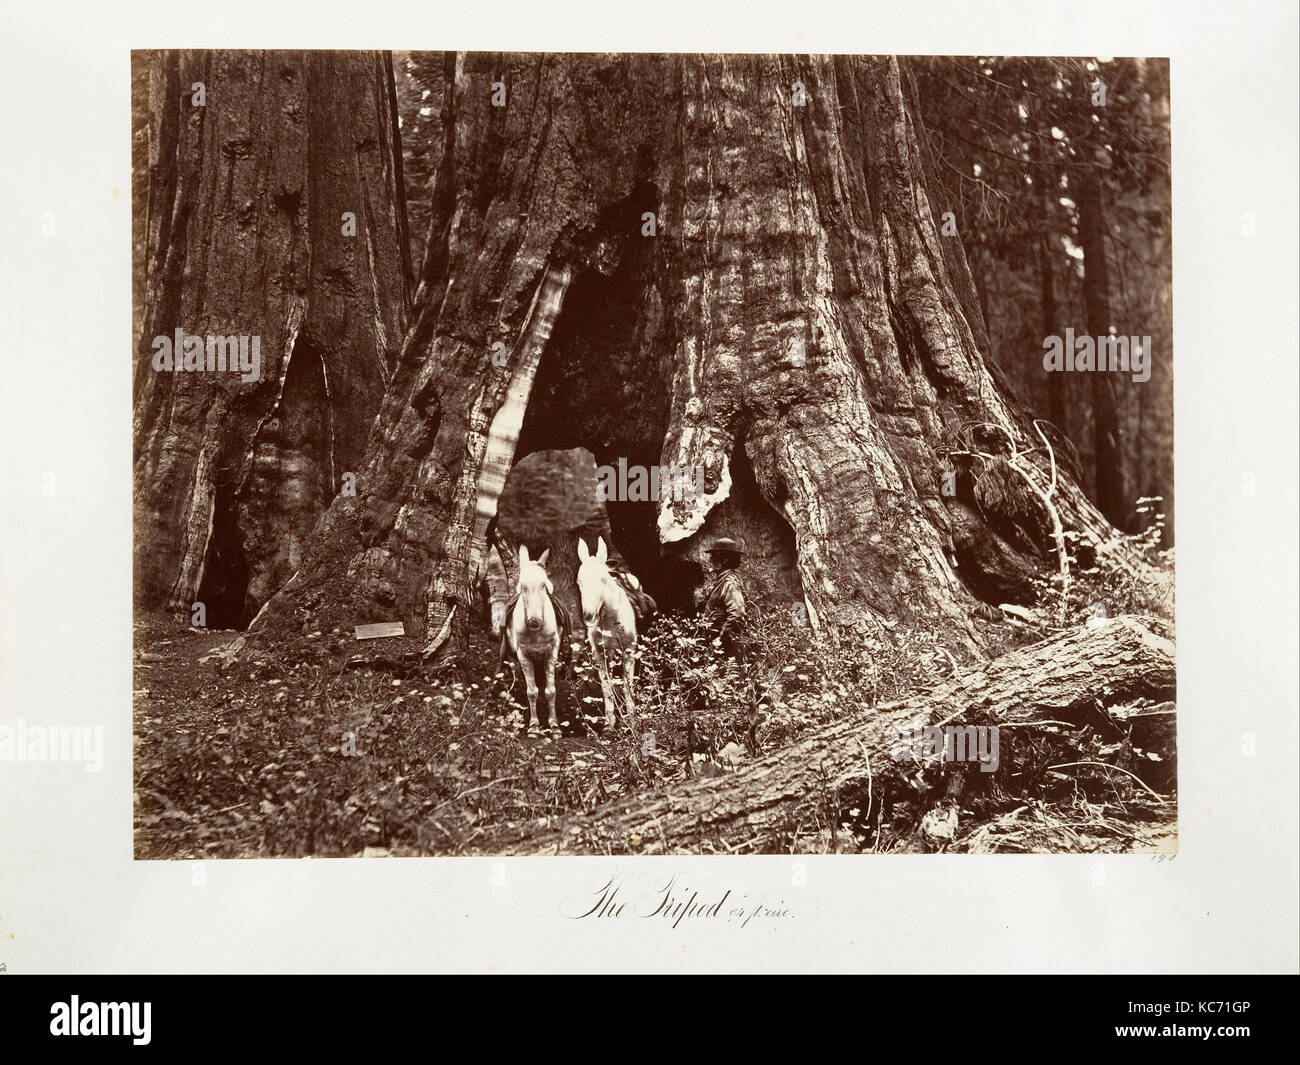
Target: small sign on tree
x=380 y=629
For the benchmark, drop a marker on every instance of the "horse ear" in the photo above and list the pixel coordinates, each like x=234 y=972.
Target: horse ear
x=602 y=552
x=523 y=554
x=545 y=554
x=583 y=553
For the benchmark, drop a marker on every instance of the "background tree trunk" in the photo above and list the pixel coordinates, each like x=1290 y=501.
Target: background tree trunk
x=1107 y=455
x=717 y=262
x=1047 y=292
x=244 y=220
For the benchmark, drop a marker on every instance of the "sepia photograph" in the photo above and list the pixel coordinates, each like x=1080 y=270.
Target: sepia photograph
x=611 y=453
x=585 y=490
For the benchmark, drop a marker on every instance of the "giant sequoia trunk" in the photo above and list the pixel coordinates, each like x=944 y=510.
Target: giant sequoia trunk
x=723 y=262
x=274 y=210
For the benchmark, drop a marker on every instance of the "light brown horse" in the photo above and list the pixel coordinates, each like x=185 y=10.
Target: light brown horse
x=533 y=630
x=610 y=618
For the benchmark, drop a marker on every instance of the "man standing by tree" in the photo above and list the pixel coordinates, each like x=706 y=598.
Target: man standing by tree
x=724 y=601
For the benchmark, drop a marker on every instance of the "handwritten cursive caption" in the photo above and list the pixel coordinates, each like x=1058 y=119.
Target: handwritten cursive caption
x=674 y=898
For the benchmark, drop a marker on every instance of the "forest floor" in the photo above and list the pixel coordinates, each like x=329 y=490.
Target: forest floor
x=317 y=753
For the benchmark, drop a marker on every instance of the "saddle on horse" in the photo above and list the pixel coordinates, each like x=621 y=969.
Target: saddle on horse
x=642 y=604
x=561 y=619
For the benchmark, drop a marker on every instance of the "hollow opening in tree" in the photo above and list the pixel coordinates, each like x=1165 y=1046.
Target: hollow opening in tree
x=551 y=500
x=604 y=385
x=224 y=588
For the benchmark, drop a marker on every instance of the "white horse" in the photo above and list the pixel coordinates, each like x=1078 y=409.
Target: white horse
x=611 y=623
x=533 y=629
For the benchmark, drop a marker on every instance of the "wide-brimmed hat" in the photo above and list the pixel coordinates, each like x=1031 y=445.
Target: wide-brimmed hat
x=725 y=545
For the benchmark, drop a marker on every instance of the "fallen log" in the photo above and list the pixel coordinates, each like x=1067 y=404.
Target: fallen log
x=1072 y=678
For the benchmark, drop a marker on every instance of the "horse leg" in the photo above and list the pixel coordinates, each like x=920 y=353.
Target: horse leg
x=530 y=683
x=606 y=688
x=629 y=673
x=553 y=717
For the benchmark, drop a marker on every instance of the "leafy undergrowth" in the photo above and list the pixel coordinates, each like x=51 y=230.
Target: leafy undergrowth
x=1060 y=788
x=314 y=757
x=1095 y=592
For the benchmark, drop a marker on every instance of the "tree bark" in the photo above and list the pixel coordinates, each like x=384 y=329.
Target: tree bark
x=1073 y=678
x=1107 y=455
x=718 y=262
x=1048 y=308
x=256 y=163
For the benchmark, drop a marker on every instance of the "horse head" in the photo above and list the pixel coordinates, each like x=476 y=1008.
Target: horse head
x=534 y=587
x=592 y=575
